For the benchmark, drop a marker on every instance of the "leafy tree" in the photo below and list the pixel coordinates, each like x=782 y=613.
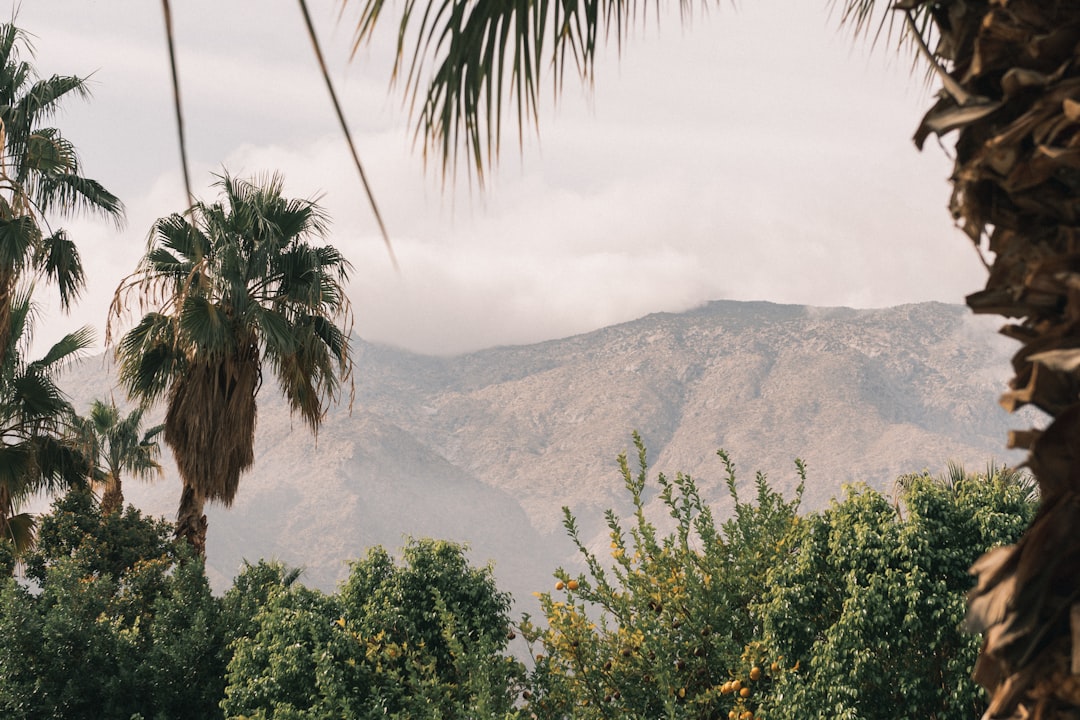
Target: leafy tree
x=36 y=453
x=113 y=444
x=118 y=626
x=239 y=287
x=851 y=612
x=661 y=628
x=419 y=640
x=871 y=603
x=40 y=174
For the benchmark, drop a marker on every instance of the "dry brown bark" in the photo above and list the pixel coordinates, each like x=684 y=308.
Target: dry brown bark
x=1011 y=76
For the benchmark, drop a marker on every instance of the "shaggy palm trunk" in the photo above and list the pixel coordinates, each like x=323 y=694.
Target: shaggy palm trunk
x=210 y=425
x=1013 y=91
x=112 y=497
x=7 y=289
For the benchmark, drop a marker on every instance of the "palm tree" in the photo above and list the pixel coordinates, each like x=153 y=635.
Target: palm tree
x=238 y=287
x=36 y=453
x=1011 y=90
x=40 y=174
x=111 y=441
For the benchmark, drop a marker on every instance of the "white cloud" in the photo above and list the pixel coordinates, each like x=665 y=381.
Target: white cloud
x=752 y=155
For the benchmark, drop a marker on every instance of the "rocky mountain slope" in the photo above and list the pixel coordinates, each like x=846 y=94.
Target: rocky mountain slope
x=487 y=447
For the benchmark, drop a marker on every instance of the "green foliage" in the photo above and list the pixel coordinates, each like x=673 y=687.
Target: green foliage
x=660 y=628
x=421 y=639
x=36 y=454
x=124 y=622
x=872 y=600
x=41 y=175
x=851 y=613
x=105 y=544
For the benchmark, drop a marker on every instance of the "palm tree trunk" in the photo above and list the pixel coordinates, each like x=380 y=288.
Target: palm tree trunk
x=7 y=287
x=1013 y=92
x=112 y=498
x=191 y=520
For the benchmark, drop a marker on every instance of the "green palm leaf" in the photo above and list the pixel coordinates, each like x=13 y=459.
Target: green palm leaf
x=39 y=176
x=458 y=62
x=38 y=451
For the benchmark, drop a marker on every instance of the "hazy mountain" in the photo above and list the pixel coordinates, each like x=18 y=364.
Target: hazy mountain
x=487 y=447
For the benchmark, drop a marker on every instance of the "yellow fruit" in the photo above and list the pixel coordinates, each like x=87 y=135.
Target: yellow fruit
x=559 y=585
x=747 y=715
x=736 y=684
x=755 y=673
x=745 y=692
x=733 y=715
x=573 y=584
x=775 y=666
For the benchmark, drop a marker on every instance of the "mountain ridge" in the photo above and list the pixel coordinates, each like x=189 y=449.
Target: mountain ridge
x=486 y=447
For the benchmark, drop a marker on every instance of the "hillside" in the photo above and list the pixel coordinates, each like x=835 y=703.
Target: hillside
x=487 y=447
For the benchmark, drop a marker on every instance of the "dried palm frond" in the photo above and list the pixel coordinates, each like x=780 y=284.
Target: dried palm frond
x=1013 y=95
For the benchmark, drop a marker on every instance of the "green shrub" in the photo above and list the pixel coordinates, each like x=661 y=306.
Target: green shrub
x=853 y=612
x=123 y=622
x=425 y=639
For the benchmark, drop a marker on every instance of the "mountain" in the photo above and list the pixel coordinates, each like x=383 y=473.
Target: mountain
x=487 y=447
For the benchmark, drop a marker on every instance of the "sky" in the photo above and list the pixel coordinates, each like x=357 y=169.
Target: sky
x=751 y=153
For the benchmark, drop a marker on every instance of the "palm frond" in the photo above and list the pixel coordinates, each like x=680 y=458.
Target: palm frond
x=21 y=530
x=10 y=37
x=149 y=358
x=42 y=100
x=458 y=61
x=68 y=193
x=60 y=464
x=36 y=401
x=19 y=237
x=67 y=349
x=47 y=152
x=59 y=260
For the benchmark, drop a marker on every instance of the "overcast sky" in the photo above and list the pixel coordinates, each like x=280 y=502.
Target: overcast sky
x=755 y=153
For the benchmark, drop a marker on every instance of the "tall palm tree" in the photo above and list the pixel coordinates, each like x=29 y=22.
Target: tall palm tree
x=112 y=443
x=238 y=288
x=36 y=453
x=1010 y=88
x=40 y=175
